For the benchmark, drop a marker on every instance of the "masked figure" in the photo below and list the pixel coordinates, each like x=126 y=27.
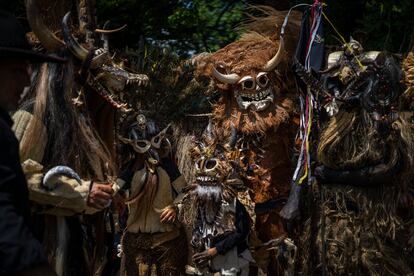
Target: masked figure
x=220 y=223
x=360 y=222
x=153 y=242
x=253 y=79
x=66 y=129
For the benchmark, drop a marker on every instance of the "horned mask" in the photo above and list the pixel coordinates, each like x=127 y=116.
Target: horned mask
x=99 y=70
x=253 y=89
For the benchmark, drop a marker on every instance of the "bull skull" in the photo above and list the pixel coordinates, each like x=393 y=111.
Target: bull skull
x=270 y=66
x=107 y=78
x=253 y=92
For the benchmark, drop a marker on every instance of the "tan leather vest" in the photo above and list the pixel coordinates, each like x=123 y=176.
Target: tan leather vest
x=148 y=220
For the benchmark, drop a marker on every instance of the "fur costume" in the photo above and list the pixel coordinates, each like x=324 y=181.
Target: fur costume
x=360 y=221
x=146 y=256
x=66 y=130
x=211 y=208
x=257 y=104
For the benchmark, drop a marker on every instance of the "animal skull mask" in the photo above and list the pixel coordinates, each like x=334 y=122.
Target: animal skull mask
x=144 y=139
x=253 y=91
x=101 y=73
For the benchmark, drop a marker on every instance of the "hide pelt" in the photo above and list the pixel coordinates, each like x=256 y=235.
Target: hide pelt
x=146 y=257
x=361 y=226
x=259 y=108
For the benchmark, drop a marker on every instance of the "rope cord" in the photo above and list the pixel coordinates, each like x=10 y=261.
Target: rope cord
x=343 y=40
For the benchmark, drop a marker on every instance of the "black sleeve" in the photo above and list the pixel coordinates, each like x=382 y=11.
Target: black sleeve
x=127 y=174
x=171 y=168
x=241 y=233
x=19 y=250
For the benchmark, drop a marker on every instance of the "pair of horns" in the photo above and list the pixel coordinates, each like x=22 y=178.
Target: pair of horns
x=49 y=40
x=270 y=65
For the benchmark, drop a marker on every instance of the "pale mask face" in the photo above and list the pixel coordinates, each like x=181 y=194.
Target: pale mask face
x=142 y=122
x=211 y=167
x=154 y=147
x=254 y=92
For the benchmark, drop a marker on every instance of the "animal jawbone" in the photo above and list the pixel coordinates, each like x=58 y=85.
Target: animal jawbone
x=258 y=101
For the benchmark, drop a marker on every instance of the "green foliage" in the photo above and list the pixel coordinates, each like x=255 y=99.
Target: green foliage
x=194 y=26
x=389 y=25
x=184 y=26
x=173 y=90
x=208 y=25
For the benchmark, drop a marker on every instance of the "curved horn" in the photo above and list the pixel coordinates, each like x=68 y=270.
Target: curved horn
x=104 y=38
x=78 y=50
x=103 y=31
x=271 y=64
x=226 y=78
x=48 y=181
x=329 y=69
x=46 y=37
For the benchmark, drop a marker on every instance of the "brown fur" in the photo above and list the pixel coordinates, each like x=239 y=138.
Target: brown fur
x=163 y=259
x=408 y=66
x=225 y=115
x=259 y=43
x=366 y=228
x=248 y=56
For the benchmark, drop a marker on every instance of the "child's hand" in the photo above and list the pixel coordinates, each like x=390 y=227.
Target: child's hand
x=203 y=257
x=168 y=215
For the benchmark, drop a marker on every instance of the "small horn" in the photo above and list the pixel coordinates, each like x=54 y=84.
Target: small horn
x=226 y=78
x=125 y=140
x=329 y=69
x=50 y=183
x=104 y=38
x=271 y=64
x=46 y=37
x=103 y=31
x=78 y=50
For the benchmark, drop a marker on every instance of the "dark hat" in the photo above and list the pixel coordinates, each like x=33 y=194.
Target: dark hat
x=13 y=41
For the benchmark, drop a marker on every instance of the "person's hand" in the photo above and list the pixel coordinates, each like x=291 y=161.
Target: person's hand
x=205 y=256
x=168 y=215
x=100 y=195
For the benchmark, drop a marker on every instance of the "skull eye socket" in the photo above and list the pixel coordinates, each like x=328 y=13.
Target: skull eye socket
x=262 y=79
x=211 y=164
x=248 y=84
x=142 y=144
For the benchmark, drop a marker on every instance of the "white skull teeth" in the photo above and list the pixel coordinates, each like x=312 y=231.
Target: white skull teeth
x=113 y=100
x=206 y=179
x=256 y=96
x=137 y=79
x=257 y=101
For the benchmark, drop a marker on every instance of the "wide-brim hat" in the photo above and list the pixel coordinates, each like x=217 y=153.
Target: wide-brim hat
x=13 y=42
